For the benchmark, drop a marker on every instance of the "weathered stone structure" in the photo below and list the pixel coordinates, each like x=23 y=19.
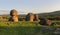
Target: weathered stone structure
x=30 y=17
x=48 y=22
x=44 y=21
x=14 y=15
x=1 y=17
x=36 y=18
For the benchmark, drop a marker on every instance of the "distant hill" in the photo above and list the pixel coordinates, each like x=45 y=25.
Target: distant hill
x=55 y=13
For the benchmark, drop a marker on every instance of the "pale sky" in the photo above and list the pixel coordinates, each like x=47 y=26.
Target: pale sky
x=25 y=6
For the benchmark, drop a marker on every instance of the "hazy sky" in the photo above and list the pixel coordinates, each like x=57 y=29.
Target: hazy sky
x=30 y=5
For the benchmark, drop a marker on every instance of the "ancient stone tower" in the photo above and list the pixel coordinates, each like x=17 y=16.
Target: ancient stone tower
x=30 y=17
x=14 y=16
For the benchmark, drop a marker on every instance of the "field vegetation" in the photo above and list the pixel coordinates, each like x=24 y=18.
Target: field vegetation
x=25 y=28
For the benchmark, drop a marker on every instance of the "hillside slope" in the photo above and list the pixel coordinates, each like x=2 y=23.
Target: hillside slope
x=55 y=13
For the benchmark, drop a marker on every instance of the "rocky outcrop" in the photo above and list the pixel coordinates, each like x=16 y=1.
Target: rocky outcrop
x=36 y=18
x=14 y=16
x=44 y=21
x=30 y=17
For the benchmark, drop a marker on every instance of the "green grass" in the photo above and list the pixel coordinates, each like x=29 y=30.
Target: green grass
x=55 y=20
x=20 y=23
x=24 y=28
x=21 y=30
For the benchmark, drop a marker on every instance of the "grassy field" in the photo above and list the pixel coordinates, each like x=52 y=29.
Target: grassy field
x=25 y=28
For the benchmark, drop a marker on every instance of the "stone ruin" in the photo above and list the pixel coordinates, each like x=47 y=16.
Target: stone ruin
x=32 y=17
x=1 y=17
x=44 y=21
x=48 y=22
x=36 y=18
x=14 y=16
